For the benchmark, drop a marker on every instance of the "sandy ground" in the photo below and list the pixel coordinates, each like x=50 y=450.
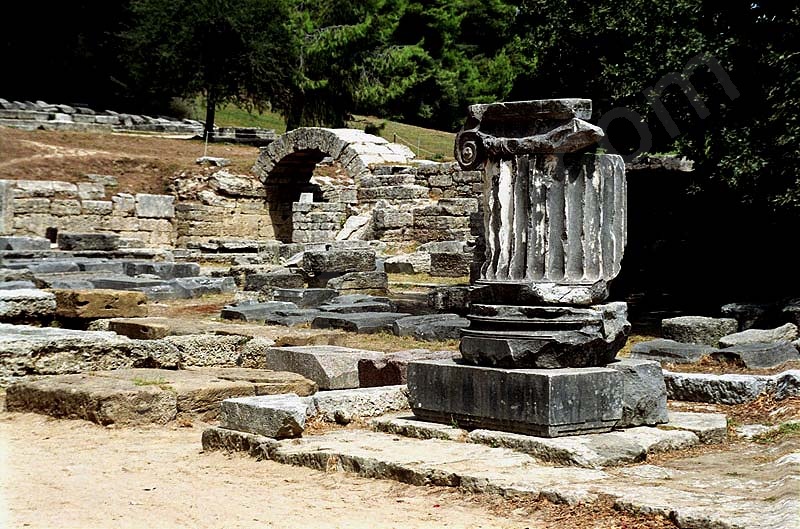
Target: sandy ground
x=68 y=473
x=76 y=474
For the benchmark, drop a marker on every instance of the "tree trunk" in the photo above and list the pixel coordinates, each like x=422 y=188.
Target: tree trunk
x=211 y=109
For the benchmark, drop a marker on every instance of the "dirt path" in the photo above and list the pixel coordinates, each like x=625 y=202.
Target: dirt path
x=74 y=474
x=54 y=152
x=60 y=473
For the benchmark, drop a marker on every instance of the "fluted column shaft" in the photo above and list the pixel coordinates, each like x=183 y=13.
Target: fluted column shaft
x=554 y=218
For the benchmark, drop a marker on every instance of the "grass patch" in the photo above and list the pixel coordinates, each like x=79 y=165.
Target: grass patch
x=233 y=116
x=161 y=383
x=787 y=429
x=429 y=144
x=633 y=339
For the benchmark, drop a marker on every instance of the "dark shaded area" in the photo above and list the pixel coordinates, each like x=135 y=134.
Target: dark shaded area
x=290 y=177
x=64 y=52
x=689 y=253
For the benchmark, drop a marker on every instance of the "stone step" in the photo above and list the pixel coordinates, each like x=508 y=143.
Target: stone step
x=619 y=447
x=679 y=495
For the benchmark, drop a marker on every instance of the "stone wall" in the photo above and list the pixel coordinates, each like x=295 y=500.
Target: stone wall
x=29 y=115
x=31 y=207
x=409 y=203
x=448 y=180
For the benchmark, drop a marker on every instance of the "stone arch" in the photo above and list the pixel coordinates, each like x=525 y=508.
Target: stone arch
x=286 y=166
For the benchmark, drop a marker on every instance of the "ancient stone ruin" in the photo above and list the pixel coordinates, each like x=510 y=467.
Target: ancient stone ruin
x=535 y=354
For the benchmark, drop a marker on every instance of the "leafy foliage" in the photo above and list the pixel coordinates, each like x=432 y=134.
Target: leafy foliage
x=227 y=50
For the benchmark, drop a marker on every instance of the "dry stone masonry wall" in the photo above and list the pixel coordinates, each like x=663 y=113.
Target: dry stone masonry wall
x=32 y=207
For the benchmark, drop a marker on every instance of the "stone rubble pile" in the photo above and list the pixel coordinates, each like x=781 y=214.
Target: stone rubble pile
x=709 y=340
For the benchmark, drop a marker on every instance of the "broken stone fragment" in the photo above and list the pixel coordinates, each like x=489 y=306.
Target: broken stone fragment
x=276 y=416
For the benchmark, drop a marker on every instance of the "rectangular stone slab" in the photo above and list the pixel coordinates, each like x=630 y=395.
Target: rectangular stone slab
x=542 y=402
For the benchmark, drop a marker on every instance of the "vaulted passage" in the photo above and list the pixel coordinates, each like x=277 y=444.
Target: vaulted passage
x=286 y=167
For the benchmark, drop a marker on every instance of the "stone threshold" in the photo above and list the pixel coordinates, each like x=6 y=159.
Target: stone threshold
x=616 y=448
x=478 y=468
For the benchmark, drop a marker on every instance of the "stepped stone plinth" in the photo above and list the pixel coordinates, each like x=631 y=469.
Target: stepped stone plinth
x=554 y=217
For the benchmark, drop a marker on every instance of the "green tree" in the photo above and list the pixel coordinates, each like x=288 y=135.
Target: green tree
x=227 y=50
x=461 y=52
x=344 y=47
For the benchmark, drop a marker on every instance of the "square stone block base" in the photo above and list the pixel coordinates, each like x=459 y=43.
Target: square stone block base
x=541 y=402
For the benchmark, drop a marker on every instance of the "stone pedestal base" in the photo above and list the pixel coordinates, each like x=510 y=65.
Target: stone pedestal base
x=541 y=402
x=519 y=336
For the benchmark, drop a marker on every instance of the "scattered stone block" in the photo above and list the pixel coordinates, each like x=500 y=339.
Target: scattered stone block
x=364 y=282
x=22 y=274
x=213 y=161
x=139 y=330
x=275 y=416
x=758 y=354
x=16 y=285
x=787 y=384
x=265 y=382
x=306 y=298
x=155 y=206
x=359 y=322
x=166 y=270
x=87 y=241
x=201 y=286
x=28 y=350
x=342 y=406
x=114 y=267
x=53 y=267
x=787 y=332
x=23 y=244
x=339 y=261
x=281 y=278
x=644 y=393
x=709 y=427
x=715 y=389
x=450 y=264
x=292 y=317
x=165 y=291
x=698 y=329
x=206 y=350
x=445 y=391
x=97 y=399
x=413 y=263
x=361 y=306
x=22 y=305
x=197 y=394
x=331 y=367
x=748 y=315
x=254 y=311
x=391 y=369
x=671 y=351
x=100 y=303
x=124 y=282
x=431 y=327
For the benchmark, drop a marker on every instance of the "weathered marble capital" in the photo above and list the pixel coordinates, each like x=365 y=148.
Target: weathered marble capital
x=525 y=127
